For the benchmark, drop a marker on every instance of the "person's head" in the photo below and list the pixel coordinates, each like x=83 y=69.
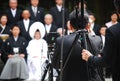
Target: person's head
x=114 y=17
x=103 y=30
x=78 y=22
x=59 y=2
x=13 y=4
x=91 y=18
x=37 y=34
x=3 y=19
x=48 y=19
x=15 y=31
x=26 y=14
x=34 y=3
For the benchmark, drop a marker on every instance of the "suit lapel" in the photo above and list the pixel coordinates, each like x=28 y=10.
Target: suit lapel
x=11 y=13
x=29 y=25
x=22 y=23
x=32 y=13
x=51 y=28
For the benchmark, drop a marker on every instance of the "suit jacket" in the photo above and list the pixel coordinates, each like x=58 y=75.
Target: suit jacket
x=25 y=33
x=111 y=52
x=13 y=20
x=96 y=29
x=57 y=16
x=6 y=30
x=39 y=16
x=75 y=69
x=96 y=43
x=10 y=43
x=52 y=29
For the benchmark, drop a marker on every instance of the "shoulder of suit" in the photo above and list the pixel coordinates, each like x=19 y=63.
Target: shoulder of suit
x=115 y=29
x=67 y=37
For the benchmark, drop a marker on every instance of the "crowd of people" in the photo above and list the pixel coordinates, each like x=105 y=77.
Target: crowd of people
x=23 y=54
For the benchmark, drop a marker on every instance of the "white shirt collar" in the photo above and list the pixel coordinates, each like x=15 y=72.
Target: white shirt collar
x=26 y=23
x=92 y=26
x=59 y=8
x=26 y=20
x=16 y=38
x=13 y=12
x=48 y=27
x=34 y=8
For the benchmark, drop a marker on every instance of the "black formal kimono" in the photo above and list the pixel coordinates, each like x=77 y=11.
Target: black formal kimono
x=10 y=43
x=57 y=16
x=15 y=67
x=13 y=20
x=111 y=52
x=5 y=31
x=39 y=15
x=25 y=33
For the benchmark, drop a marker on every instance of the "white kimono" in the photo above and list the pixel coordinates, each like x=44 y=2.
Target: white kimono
x=37 y=55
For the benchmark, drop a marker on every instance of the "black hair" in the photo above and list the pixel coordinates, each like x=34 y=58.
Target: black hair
x=15 y=26
x=37 y=30
x=3 y=15
x=78 y=22
x=103 y=26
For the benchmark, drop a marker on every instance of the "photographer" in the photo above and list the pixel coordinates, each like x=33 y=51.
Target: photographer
x=75 y=69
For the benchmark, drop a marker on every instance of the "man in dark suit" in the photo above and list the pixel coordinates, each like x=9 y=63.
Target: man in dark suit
x=111 y=51
x=76 y=69
x=94 y=28
x=37 y=13
x=57 y=13
x=49 y=26
x=25 y=25
x=13 y=13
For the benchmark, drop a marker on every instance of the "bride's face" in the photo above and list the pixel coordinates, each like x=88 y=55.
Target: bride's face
x=37 y=35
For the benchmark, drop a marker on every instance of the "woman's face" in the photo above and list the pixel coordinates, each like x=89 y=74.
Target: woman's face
x=3 y=20
x=37 y=35
x=114 y=17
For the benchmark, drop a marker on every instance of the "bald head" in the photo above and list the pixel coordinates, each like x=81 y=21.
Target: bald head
x=13 y=4
x=59 y=2
x=48 y=19
x=26 y=14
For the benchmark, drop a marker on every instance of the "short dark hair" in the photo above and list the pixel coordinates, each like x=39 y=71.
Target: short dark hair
x=76 y=21
x=14 y=26
x=37 y=30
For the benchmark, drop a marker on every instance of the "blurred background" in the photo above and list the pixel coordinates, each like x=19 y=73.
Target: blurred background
x=101 y=8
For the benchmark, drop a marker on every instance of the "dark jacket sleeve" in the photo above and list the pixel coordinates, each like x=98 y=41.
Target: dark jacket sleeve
x=56 y=56
x=108 y=53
